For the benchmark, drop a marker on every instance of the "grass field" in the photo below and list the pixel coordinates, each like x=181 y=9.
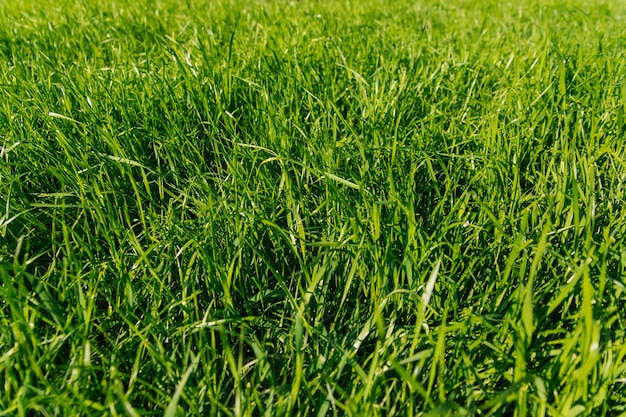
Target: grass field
x=312 y=208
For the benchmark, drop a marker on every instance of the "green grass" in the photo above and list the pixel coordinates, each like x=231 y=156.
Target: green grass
x=410 y=208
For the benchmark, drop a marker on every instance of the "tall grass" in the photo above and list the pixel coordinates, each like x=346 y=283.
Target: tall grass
x=312 y=208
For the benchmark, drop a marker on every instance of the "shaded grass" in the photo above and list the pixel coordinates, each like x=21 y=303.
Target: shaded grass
x=312 y=208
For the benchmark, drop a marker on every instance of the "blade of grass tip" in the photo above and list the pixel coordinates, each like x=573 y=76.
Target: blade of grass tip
x=170 y=411
x=590 y=338
x=430 y=286
x=299 y=366
x=438 y=360
x=342 y=181
x=124 y=161
x=61 y=116
x=528 y=306
x=426 y=295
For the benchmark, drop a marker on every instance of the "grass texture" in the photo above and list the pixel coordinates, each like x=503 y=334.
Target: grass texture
x=312 y=208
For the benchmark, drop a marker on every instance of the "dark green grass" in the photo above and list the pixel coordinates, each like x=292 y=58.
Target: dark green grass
x=312 y=208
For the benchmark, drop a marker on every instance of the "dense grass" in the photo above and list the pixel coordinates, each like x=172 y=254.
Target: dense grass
x=312 y=208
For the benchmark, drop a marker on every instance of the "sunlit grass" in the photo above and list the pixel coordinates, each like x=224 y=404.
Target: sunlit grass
x=312 y=208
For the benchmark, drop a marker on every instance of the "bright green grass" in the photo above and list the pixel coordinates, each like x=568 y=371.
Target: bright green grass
x=312 y=208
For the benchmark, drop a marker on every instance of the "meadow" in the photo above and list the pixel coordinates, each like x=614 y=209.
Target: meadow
x=312 y=208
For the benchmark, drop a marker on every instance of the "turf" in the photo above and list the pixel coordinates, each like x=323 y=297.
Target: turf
x=410 y=208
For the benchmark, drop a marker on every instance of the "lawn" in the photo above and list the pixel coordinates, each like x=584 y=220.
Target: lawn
x=312 y=208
